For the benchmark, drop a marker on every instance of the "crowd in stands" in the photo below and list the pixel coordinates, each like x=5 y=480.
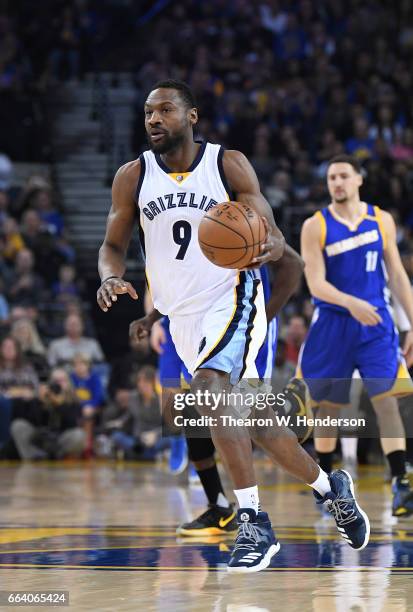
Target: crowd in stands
x=289 y=83
x=40 y=49
x=293 y=83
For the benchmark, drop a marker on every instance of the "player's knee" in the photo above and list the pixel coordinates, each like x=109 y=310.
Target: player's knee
x=208 y=380
x=388 y=405
x=208 y=386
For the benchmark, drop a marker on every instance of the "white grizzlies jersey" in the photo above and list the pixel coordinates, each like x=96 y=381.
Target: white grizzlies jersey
x=181 y=280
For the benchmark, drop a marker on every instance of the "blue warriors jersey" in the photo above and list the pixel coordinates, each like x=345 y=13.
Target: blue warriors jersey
x=353 y=256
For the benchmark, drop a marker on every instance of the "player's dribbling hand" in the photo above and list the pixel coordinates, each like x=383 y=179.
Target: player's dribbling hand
x=408 y=348
x=109 y=290
x=268 y=248
x=364 y=312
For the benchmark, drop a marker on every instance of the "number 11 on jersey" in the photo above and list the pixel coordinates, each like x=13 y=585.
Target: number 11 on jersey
x=371 y=261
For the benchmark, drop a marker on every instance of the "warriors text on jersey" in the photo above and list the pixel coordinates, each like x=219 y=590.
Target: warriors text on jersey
x=171 y=206
x=353 y=256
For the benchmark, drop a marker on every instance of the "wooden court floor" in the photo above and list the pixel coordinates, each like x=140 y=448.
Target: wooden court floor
x=106 y=534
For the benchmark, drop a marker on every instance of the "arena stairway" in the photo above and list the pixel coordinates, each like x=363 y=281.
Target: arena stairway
x=91 y=139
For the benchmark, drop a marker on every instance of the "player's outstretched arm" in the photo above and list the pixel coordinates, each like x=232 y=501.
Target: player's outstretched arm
x=315 y=274
x=244 y=182
x=398 y=280
x=119 y=227
x=288 y=271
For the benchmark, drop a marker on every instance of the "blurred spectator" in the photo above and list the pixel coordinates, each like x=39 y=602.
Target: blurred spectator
x=63 y=350
x=87 y=385
x=27 y=195
x=402 y=146
x=18 y=379
x=12 y=239
x=136 y=431
x=37 y=238
x=361 y=144
x=386 y=127
x=19 y=386
x=75 y=306
x=66 y=288
x=25 y=333
x=64 y=57
x=278 y=191
x=89 y=392
x=262 y=161
x=27 y=286
x=41 y=200
x=295 y=336
x=54 y=431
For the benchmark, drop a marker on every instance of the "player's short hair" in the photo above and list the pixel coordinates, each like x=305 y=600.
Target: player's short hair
x=345 y=159
x=183 y=88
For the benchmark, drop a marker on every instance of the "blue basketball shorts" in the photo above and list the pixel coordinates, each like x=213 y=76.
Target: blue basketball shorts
x=337 y=345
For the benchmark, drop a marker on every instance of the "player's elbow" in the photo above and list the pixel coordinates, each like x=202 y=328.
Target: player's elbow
x=315 y=288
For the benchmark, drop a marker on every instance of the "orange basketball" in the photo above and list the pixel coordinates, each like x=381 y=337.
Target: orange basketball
x=230 y=235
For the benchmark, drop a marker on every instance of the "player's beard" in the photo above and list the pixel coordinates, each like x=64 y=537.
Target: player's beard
x=168 y=144
x=341 y=199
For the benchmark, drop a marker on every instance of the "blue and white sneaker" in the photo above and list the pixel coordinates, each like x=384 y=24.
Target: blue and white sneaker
x=402 y=503
x=352 y=522
x=255 y=544
x=178 y=459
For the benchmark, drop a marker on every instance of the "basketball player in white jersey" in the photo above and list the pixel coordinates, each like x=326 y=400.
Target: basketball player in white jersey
x=217 y=316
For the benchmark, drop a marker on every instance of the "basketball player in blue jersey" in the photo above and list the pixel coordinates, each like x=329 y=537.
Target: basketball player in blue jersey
x=217 y=316
x=346 y=248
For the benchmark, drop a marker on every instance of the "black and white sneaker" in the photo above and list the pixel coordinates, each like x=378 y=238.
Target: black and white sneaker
x=352 y=522
x=255 y=544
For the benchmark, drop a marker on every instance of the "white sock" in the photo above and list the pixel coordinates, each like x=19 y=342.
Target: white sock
x=322 y=484
x=222 y=501
x=248 y=498
x=349 y=448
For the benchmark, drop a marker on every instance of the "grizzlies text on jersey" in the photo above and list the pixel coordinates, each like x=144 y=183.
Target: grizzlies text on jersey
x=171 y=206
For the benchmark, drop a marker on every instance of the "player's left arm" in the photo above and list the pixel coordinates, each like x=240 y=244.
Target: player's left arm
x=398 y=280
x=288 y=271
x=244 y=182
